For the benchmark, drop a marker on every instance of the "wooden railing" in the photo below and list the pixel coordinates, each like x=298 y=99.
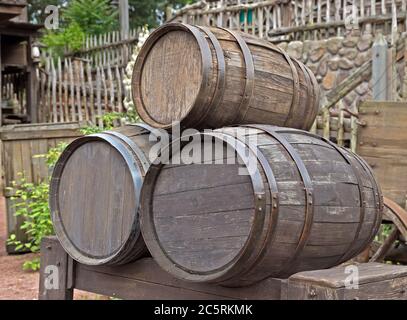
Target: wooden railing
x=74 y=90
x=297 y=19
x=339 y=126
x=109 y=48
x=85 y=84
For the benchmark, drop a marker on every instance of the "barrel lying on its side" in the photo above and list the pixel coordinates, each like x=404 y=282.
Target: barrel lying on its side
x=94 y=195
x=305 y=204
x=213 y=77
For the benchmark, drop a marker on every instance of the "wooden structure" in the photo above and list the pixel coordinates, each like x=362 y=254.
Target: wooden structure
x=391 y=243
x=12 y=9
x=95 y=215
x=143 y=279
x=254 y=81
x=19 y=145
x=303 y=203
x=299 y=19
x=18 y=96
x=382 y=142
x=86 y=84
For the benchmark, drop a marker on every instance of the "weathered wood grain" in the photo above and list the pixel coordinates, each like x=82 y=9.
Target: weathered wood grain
x=305 y=204
x=94 y=196
x=374 y=280
x=383 y=143
x=144 y=279
x=20 y=143
x=212 y=77
x=56 y=265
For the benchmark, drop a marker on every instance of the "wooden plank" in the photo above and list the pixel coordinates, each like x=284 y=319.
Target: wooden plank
x=91 y=104
x=374 y=281
x=40 y=131
x=382 y=141
x=153 y=283
x=144 y=279
x=20 y=143
x=55 y=267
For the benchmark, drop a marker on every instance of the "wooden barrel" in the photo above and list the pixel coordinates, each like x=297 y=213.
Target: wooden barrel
x=94 y=195
x=289 y=201
x=213 y=77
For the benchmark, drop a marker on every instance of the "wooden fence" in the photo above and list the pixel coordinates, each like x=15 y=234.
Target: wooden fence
x=109 y=48
x=298 y=19
x=339 y=126
x=18 y=145
x=88 y=83
x=73 y=90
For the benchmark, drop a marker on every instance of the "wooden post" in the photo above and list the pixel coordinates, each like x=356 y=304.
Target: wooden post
x=405 y=70
x=32 y=86
x=326 y=131
x=124 y=18
x=341 y=129
x=1 y=88
x=379 y=68
x=354 y=133
x=56 y=272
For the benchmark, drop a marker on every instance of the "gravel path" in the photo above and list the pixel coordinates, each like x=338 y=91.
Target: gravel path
x=15 y=283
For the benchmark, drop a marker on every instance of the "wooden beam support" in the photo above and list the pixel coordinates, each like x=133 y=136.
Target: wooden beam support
x=347 y=85
x=144 y=279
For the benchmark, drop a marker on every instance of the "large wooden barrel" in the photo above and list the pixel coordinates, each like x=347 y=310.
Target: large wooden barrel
x=213 y=77
x=94 y=195
x=288 y=201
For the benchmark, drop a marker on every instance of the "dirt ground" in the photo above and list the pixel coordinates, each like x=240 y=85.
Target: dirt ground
x=15 y=283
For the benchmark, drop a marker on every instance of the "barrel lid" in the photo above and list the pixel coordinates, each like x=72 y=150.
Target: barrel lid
x=94 y=194
x=182 y=57
x=200 y=221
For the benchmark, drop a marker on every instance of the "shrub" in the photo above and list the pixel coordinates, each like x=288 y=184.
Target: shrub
x=31 y=203
x=69 y=39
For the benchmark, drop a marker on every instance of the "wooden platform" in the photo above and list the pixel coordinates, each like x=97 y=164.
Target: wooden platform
x=144 y=279
x=382 y=142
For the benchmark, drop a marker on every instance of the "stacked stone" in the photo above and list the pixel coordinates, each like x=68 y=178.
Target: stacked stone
x=334 y=59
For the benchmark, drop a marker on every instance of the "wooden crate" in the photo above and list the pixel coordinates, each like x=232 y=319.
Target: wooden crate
x=382 y=142
x=19 y=143
x=374 y=281
x=144 y=279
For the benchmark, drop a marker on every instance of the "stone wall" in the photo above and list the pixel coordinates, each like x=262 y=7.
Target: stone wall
x=333 y=59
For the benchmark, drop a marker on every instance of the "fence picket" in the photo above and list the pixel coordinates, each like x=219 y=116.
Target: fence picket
x=72 y=90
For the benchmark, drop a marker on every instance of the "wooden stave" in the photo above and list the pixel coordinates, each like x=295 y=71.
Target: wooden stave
x=239 y=275
x=198 y=119
x=134 y=246
x=142 y=55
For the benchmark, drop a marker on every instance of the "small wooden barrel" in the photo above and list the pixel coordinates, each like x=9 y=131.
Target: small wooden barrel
x=94 y=195
x=289 y=201
x=212 y=77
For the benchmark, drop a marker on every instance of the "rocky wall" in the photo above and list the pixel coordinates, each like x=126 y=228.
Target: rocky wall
x=334 y=59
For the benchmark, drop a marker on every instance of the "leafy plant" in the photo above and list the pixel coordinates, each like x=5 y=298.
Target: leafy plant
x=69 y=39
x=109 y=119
x=80 y=17
x=31 y=203
x=93 y=16
x=152 y=12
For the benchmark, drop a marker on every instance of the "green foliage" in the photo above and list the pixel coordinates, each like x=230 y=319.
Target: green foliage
x=36 y=9
x=69 y=39
x=152 y=12
x=109 y=119
x=93 y=16
x=31 y=203
x=80 y=17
